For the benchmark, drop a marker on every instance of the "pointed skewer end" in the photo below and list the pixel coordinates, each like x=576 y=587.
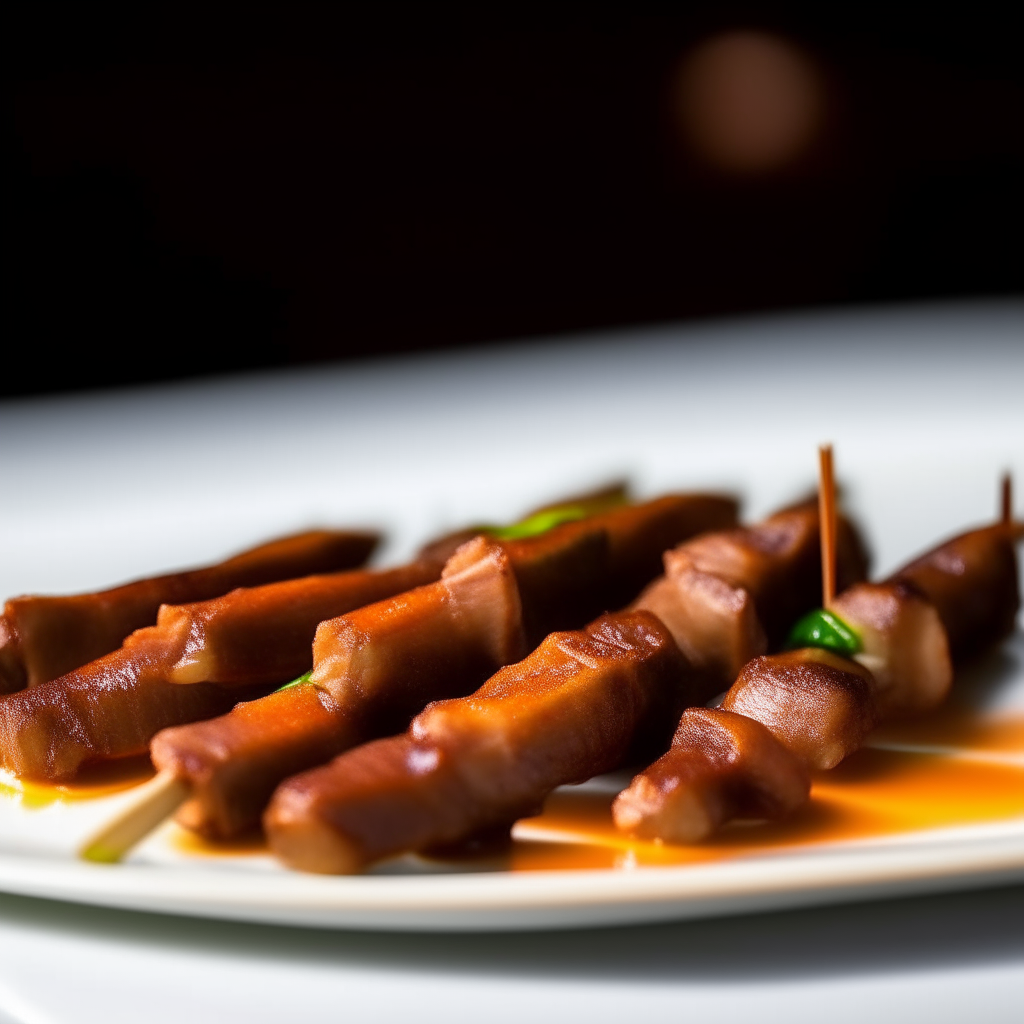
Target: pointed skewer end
x=827 y=523
x=154 y=802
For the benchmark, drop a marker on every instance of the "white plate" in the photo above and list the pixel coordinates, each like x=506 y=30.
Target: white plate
x=923 y=406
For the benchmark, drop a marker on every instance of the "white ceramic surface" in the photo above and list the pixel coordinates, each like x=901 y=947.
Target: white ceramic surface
x=924 y=409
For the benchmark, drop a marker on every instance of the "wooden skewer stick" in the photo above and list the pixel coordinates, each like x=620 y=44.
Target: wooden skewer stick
x=827 y=520
x=1006 y=508
x=154 y=801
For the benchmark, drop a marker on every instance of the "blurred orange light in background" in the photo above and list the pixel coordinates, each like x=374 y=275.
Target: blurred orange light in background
x=749 y=102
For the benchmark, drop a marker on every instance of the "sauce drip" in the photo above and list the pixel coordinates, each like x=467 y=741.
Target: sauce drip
x=954 y=768
x=951 y=769
x=252 y=842
x=91 y=782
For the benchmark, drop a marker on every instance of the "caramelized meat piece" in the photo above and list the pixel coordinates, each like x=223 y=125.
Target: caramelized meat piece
x=590 y=503
x=715 y=625
x=234 y=762
x=961 y=596
x=972 y=582
x=375 y=668
x=108 y=709
x=576 y=571
x=562 y=577
x=263 y=634
x=579 y=570
x=390 y=658
x=382 y=664
x=570 y=710
x=720 y=766
x=904 y=645
x=728 y=597
x=246 y=641
x=784 y=715
x=639 y=536
x=42 y=638
x=818 y=705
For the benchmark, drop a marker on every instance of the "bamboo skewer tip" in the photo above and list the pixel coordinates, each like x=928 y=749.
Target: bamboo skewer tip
x=154 y=802
x=827 y=523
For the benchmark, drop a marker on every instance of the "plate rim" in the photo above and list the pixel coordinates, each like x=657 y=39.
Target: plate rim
x=938 y=860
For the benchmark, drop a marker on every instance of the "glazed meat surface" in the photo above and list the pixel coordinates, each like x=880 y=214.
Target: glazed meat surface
x=972 y=580
x=570 y=710
x=375 y=668
x=391 y=658
x=264 y=634
x=576 y=571
x=785 y=715
x=639 y=536
x=720 y=766
x=730 y=596
x=43 y=637
x=234 y=762
x=380 y=665
x=961 y=597
x=244 y=642
x=816 y=704
x=904 y=645
x=109 y=709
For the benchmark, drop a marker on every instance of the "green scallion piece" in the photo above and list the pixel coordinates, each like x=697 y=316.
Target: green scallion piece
x=538 y=523
x=824 y=629
x=304 y=678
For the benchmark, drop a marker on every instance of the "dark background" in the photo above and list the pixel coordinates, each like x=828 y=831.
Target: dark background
x=193 y=192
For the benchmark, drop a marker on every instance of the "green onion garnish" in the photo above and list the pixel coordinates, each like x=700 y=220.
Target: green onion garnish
x=304 y=678
x=538 y=523
x=824 y=629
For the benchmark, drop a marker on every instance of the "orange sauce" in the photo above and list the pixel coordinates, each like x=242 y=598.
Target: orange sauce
x=91 y=782
x=252 y=842
x=874 y=793
x=951 y=769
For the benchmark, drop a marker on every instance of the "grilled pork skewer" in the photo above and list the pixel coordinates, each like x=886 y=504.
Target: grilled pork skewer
x=235 y=647
x=814 y=707
x=233 y=762
x=729 y=597
x=311 y=807
x=196 y=662
x=570 y=710
x=377 y=667
x=373 y=670
x=44 y=637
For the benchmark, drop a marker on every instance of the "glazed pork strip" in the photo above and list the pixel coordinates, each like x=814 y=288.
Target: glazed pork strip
x=230 y=648
x=43 y=637
x=374 y=669
x=584 y=505
x=785 y=715
x=904 y=645
x=730 y=596
x=639 y=536
x=415 y=652
x=812 y=702
x=972 y=580
x=720 y=766
x=575 y=572
x=570 y=710
x=953 y=603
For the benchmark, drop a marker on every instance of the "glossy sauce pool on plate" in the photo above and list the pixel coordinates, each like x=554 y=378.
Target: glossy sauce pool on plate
x=953 y=769
x=91 y=783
